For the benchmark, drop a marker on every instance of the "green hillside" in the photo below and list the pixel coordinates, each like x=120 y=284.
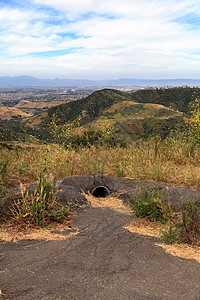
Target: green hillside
x=95 y=105
x=177 y=98
x=131 y=120
x=89 y=108
x=141 y=114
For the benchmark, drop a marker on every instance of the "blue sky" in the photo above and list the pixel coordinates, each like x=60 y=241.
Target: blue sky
x=99 y=39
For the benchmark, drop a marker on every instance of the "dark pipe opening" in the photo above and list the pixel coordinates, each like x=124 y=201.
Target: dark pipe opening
x=100 y=192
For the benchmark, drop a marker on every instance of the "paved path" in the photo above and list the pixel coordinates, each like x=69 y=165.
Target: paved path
x=104 y=261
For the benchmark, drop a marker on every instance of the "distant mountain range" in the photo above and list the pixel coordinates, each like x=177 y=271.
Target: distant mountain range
x=30 y=81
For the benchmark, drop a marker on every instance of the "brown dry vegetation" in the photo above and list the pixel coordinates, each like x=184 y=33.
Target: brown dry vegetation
x=8 y=112
x=10 y=233
x=167 y=165
x=39 y=104
x=144 y=227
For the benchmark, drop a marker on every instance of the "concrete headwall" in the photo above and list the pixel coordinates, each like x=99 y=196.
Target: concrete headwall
x=71 y=189
x=121 y=187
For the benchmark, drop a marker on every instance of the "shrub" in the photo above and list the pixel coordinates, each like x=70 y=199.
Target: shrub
x=195 y=119
x=96 y=137
x=171 y=233
x=151 y=205
x=183 y=227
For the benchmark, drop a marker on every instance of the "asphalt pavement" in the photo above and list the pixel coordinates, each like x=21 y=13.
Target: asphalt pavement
x=104 y=261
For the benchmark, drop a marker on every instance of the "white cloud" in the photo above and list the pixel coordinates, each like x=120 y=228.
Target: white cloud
x=112 y=37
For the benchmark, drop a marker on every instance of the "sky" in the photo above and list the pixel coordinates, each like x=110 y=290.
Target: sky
x=100 y=39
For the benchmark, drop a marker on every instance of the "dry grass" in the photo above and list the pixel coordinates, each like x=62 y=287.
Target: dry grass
x=9 y=233
x=144 y=227
x=40 y=104
x=142 y=163
x=148 y=228
x=109 y=202
x=182 y=250
x=121 y=105
x=8 y=112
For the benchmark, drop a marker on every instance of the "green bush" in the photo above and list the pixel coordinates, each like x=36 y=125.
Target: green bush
x=150 y=205
x=171 y=234
x=181 y=227
x=96 y=137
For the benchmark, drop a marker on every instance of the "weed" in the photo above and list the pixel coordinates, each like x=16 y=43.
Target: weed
x=170 y=233
x=195 y=119
x=60 y=133
x=151 y=205
x=191 y=223
x=40 y=207
x=2 y=202
x=183 y=227
x=4 y=165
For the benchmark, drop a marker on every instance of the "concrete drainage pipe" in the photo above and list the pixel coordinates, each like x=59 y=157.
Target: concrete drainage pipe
x=100 y=192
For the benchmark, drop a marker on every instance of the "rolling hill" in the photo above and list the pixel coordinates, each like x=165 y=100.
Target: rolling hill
x=176 y=98
x=129 y=119
x=133 y=116
x=89 y=108
x=7 y=113
x=37 y=105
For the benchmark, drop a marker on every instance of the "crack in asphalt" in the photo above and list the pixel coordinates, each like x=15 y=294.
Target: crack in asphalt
x=103 y=261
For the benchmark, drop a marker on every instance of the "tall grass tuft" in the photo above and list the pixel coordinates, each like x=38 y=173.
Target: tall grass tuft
x=40 y=207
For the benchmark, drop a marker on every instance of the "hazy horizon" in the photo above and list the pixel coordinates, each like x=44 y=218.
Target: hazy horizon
x=98 y=79
x=100 y=39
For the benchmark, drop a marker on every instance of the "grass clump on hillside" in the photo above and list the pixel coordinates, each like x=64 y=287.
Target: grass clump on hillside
x=2 y=200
